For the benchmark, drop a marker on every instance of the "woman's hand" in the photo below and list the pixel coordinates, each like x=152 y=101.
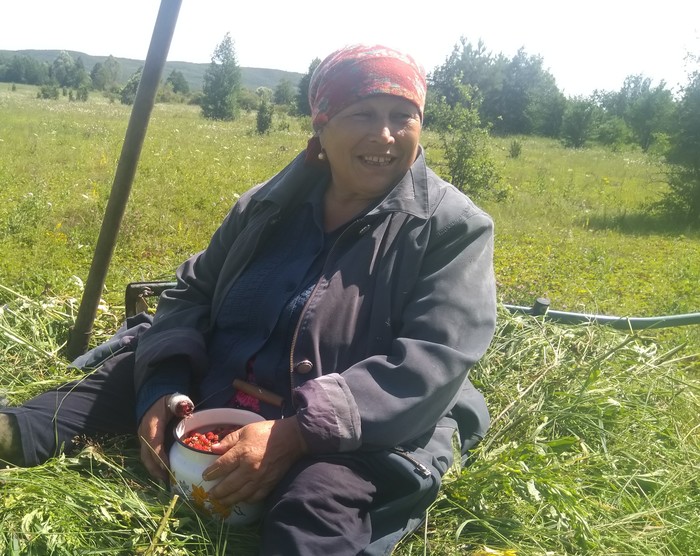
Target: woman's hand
x=151 y=434
x=254 y=459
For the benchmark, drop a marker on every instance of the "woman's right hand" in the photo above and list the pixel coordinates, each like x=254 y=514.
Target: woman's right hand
x=151 y=433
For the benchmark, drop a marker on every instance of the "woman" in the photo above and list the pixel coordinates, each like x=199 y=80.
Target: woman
x=358 y=287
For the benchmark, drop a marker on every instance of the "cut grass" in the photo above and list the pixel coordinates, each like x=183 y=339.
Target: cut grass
x=593 y=449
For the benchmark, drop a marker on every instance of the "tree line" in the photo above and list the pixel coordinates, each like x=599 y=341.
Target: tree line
x=472 y=95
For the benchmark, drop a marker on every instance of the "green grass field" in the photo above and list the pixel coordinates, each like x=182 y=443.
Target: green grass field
x=594 y=444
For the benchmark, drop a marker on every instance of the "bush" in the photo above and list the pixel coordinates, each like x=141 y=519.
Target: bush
x=264 y=119
x=614 y=132
x=516 y=147
x=49 y=91
x=466 y=144
x=683 y=197
x=82 y=94
x=128 y=93
x=577 y=124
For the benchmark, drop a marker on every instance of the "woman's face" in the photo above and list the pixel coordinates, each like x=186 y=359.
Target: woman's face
x=371 y=144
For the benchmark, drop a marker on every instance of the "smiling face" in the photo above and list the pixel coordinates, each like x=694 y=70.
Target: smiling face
x=371 y=144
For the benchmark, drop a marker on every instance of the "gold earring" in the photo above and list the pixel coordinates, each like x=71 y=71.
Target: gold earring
x=322 y=156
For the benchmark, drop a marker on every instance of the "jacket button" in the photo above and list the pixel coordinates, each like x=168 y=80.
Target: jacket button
x=303 y=367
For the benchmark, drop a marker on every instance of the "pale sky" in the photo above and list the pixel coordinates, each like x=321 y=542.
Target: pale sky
x=586 y=45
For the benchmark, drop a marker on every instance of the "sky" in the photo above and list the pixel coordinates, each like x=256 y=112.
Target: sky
x=584 y=45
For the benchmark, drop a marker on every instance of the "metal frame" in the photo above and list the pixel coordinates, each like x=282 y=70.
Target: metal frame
x=137 y=293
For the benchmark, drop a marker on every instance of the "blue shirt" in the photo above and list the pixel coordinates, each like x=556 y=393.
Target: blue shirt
x=255 y=325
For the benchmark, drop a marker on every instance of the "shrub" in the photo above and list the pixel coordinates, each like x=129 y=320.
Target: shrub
x=614 y=132
x=466 y=144
x=49 y=91
x=264 y=119
x=577 y=123
x=683 y=198
x=82 y=94
x=128 y=93
x=516 y=147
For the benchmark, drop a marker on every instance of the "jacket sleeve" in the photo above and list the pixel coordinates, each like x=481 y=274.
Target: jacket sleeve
x=446 y=324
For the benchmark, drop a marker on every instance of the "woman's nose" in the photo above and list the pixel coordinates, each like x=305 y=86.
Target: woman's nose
x=384 y=133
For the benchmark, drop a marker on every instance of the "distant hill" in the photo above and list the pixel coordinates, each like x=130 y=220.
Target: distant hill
x=252 y=78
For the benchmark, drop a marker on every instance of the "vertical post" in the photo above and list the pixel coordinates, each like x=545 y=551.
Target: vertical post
x=124 y=175
x=540 y=307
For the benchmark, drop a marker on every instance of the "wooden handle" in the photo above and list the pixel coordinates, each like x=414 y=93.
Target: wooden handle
x=258 y=393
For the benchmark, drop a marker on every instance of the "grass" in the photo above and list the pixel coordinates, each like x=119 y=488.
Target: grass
x=594 y=443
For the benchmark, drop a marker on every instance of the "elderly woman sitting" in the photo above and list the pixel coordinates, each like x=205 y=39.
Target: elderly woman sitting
x=357 y=286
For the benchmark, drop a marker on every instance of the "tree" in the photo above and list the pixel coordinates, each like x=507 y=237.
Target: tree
x=24 y=69
x=647 y=111
x=577 y=124
x=128 y=93
x=514 y=96
x=303 y=107
x=98 y=77
x=179 y=82
x=69 y=73
x=222 y=81
x=683 y=198
x=79 y=77
x=105 y=76
x=466 y=144
x=264 y=118
x=62 y=69
x=284 y=92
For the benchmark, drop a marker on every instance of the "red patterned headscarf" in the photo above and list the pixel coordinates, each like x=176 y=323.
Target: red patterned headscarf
x=360 y=71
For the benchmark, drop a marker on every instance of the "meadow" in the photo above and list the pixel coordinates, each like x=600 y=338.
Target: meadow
x=594 y=444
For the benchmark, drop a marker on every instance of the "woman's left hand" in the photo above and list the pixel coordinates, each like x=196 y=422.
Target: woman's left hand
x=254 y=459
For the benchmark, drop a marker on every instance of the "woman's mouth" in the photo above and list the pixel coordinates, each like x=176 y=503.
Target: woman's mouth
x=375 y=160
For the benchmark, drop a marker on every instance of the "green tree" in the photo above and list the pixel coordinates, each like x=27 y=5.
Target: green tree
x=284 y=92
x=105 y=75
x=24 y=69
x=98 y=77
x=128 y=93
x=248 y=99
x=303 y=107
x=222 y=81
x=683 y=198
x=577 y=124
x=264 y=118
x=179 y=83
x=79 y=77
x=646 y=110
x=63 y=69
x=514 y=96
x=466 y=144
x=69 y=73
x=48 y=91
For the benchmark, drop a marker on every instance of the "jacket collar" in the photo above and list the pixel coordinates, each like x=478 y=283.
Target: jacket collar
x=293 y=184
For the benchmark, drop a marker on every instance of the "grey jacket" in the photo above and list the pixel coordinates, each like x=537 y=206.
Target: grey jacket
x=382 y=349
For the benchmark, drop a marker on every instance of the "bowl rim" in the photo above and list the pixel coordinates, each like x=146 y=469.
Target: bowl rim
x=246 y=415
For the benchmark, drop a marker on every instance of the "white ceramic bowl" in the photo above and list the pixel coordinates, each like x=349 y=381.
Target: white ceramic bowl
x=187 y=464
